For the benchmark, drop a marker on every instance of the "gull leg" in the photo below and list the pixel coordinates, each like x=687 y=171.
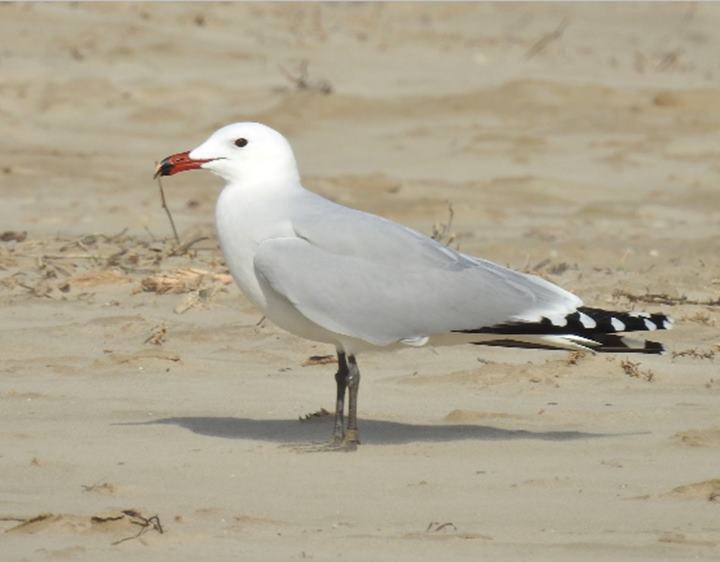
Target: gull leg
x=347 y=378
x=352 y=436
x=341 y=380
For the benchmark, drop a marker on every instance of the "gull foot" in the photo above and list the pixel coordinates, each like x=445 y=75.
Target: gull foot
x=352 y=438
x=338 y=444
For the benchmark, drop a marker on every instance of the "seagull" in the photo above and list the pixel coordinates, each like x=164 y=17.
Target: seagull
x=361 y=282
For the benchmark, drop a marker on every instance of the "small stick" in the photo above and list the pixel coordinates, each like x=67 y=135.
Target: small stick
x=167 y=210
x=15 y=518
x=180 y=250
x=546 y=39
x=145 y=524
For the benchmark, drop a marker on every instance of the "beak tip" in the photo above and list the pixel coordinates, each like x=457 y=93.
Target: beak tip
x=162 y=169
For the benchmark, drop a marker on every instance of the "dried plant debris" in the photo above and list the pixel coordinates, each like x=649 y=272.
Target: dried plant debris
x=115 y=521
x=12 y=236
x=157 y=335
x=195 y=299
x=700 y=318
x=708 y=490
x=105 y=488
x=301 y=81
x=663 y=298
x=321 y=413
x=96 y=278
x=319 y=360
x=709 y=437
x=25 y=522
x=139 y=357
x=694 y=353
x=549 y=267
x=632 y=369
x=183 y=248
x=182 y=280
x=575 y=357
x=77 y=268
x=442 y=232
x=146 y=524
x=436 y=527
x=542 y=43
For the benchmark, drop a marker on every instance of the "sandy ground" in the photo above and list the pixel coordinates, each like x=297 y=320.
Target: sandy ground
x=579 y=142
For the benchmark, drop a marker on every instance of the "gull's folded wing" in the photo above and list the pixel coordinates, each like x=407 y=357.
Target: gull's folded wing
x=366 y=292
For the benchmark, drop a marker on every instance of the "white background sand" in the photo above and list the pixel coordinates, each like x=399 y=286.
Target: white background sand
x=577 y=141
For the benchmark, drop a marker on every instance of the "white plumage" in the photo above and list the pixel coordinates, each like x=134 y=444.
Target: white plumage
x=358 y=281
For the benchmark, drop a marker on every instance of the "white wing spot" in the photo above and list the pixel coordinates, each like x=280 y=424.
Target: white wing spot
x=618 y=325
x=559 y=321
x=587 y=321
x=650 y=325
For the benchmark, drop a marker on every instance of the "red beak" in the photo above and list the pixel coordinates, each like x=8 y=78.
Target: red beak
x=176 y=163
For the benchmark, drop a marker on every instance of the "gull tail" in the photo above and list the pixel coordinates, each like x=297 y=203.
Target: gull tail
x=591 y=329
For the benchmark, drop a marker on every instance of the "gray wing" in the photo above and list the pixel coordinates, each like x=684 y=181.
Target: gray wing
x=365 y=277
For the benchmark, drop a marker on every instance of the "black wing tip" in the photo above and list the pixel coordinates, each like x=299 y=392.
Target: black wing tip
x=627 y=321
x=585 y=321
x=609 y=344
x=606 y=343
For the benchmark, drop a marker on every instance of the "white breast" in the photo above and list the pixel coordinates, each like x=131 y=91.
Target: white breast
x=243 y=223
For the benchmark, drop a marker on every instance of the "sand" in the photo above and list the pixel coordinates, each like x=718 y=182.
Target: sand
x=576 y=141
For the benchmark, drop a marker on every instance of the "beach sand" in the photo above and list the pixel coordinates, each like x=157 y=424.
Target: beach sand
x=579 y=142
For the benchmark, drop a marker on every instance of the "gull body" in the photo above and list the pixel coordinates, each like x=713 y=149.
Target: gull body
x=357 y=281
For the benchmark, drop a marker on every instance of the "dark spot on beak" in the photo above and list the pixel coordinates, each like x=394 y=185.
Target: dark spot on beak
x=163 y=169
x=176 y=163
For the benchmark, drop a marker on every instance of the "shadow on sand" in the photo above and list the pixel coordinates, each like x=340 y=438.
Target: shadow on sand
x=372 y=431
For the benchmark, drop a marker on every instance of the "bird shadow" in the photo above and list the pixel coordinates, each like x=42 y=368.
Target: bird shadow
x=372 y=431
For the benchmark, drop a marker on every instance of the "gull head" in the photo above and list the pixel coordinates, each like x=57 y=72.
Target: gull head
x=239 y=153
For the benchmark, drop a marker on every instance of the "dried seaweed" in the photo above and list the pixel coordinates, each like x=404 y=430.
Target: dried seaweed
x=321 y=413
x=319 y=360
x=146 y=524
x=663 y=298
x=632 y=369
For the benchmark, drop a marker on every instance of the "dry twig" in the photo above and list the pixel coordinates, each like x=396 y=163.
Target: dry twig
x=302 y=80
x=442 y=232
x=183 y=248
x=541 y=44
x=23 y=519
x=167 y=210
x=146 y=524
x=436 y=526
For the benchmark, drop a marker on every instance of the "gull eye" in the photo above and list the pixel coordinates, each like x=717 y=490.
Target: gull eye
x=241 y=142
